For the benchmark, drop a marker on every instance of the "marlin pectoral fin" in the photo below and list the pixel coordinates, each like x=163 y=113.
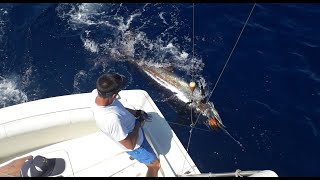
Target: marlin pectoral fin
x=189 y=102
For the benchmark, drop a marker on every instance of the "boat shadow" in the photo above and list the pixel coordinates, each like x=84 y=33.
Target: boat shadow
x=161 y=138
x=158 y=133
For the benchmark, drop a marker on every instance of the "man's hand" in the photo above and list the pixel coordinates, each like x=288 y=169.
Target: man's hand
x=142 y=116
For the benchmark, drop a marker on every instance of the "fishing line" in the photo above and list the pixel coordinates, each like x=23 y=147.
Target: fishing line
x=223 y=71
x=193 y=42
x=231 y=52
x=228 y=57
x=192 y=125
x=188 y=126
x=192 y=67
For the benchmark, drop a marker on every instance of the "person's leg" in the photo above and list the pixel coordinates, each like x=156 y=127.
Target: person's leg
x=153 y=168
x=145 y=154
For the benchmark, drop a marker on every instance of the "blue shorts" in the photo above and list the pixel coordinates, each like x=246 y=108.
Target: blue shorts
x=144 y=154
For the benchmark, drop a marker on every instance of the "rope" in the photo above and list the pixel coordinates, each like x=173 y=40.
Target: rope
x=193 y=41
x=192 y=125
x=191 y=116
x=189 y=126
x=225 y=65
x=192 y=56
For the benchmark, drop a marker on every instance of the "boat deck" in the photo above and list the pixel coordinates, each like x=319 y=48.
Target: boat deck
x=92 y=153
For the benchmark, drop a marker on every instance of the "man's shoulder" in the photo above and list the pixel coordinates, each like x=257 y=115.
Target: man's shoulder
x=94 y=92
x=119 y=105
x=107 y=114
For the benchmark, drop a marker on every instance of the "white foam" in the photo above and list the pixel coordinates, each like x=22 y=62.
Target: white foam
x=125 y=26
x=161 y=17
x=124 y=40
x=184 y=55
x=91 y=46
x=78 y=78
x=170 y=46
x=4 y=18
x=10 y=94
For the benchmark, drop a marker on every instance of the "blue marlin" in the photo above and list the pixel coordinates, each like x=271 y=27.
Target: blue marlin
x=196 y=99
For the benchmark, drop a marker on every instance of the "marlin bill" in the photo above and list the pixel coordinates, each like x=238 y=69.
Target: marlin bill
x=191 y=94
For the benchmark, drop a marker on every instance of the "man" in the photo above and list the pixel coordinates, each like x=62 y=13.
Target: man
x=120 y=123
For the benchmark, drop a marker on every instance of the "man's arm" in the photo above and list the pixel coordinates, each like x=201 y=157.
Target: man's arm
x=13 y=168
x=140 y=115
x=131 y=140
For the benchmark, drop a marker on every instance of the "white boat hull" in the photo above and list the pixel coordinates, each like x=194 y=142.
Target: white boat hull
x=64 y=127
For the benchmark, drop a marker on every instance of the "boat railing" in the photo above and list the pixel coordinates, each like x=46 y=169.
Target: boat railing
x=237 y=173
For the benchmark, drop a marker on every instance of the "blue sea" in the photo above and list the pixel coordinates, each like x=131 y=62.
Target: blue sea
x=268 y=95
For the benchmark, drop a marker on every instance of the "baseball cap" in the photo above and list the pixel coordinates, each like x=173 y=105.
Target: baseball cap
x=40 y=166
x=118 y=81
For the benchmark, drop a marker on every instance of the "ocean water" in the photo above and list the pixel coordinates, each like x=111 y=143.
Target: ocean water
x=267 y=96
